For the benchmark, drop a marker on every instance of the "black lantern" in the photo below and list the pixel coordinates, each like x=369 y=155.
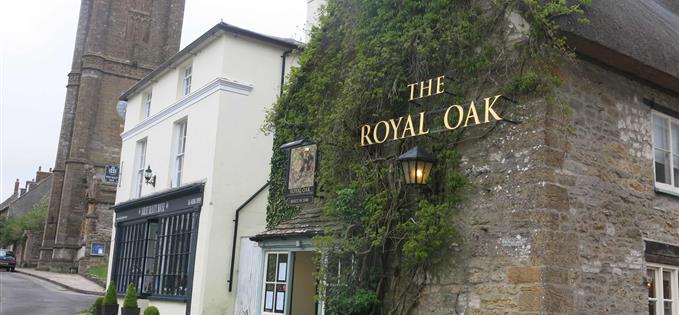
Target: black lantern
x=149 y=177
x=416 y=165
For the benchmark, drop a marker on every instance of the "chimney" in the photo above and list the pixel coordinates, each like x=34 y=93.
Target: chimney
x=16 y=187
x=40 y=175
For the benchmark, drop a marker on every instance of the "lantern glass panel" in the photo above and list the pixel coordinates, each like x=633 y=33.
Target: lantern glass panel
x=426 y=170
x=406 y=172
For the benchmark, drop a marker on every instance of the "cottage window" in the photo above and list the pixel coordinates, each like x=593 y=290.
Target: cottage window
x=662 y=283
x=666 y=152
x=139 y=162
x=186 y=81
x=156 y=254
x=275 y=283
x=146 y=106
x=180 y=149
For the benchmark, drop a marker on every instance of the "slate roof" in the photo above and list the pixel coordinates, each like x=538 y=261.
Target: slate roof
x=208 y=36
x=307 y=223
x=636 y=36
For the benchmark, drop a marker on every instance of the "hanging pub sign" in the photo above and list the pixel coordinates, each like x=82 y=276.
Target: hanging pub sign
x=302 y=159
x=111 y=173
x=454 y=116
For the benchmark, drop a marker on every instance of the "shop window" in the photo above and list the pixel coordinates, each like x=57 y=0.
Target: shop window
x=156 y=254
x=275 y=283
x=666 y=152
x=662 y=284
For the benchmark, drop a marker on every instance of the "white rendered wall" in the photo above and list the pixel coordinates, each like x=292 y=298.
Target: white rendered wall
x=224 y=147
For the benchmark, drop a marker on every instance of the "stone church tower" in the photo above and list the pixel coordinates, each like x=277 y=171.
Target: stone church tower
x=117 y=43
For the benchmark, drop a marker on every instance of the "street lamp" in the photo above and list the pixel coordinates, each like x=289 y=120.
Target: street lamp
x=149 y=177
x=416 y=165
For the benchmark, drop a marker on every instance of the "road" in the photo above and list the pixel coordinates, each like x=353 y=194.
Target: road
x=25 y=295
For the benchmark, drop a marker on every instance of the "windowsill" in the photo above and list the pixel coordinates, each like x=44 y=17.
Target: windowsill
x=666 y=189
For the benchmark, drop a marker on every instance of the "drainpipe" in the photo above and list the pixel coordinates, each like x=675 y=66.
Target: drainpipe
x=235 y=233
x=285 y=54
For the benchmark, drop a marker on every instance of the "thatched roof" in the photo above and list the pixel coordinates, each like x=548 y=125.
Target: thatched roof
x=640 y=37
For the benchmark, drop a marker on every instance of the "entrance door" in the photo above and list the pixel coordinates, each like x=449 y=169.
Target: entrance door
x=303 y=284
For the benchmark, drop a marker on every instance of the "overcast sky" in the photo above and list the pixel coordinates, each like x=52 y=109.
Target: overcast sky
x=36 y=47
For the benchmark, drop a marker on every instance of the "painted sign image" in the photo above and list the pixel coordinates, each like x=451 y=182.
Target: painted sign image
x=302 y=169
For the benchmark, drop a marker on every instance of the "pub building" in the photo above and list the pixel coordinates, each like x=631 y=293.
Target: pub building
x=572 y=211
x=194 y=170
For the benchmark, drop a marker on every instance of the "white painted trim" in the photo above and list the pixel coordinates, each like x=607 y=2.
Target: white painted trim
x=218 y=84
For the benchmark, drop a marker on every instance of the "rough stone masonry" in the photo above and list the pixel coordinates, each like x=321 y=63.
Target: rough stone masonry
x=117 y=43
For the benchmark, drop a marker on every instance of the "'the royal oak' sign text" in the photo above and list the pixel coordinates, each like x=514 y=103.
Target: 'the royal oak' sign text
x=455 y=116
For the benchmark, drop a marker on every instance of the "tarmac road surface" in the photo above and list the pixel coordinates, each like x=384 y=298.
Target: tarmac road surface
x=25 y=295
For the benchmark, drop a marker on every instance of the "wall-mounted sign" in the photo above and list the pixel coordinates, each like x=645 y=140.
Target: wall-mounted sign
x=97 y=249
x=171 y=204
x=111 y=173
x=455 y=116
x=301 y=179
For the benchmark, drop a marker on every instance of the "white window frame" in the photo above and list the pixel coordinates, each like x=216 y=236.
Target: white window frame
x=139 y=164
x=147 y=98
x=668 y=188
x=659 y=294
x=178 y=158
x=187 y=74
x=287 y=282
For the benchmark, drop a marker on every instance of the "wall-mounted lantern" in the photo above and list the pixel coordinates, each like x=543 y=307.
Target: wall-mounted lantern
x=149 y=177
x=416 y=164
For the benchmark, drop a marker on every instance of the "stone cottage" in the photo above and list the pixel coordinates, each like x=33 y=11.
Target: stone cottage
x=576 y=205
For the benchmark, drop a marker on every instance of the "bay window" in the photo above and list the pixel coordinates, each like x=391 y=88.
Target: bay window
x=155 y=243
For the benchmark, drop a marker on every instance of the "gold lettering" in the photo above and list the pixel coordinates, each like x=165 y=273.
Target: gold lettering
x=472 y=113
x=394 y=126
x=423 y=88
x=386 y=132
x=365 y=135
x=409 y=126
x=422 y=131
x=460 y=116
x=489 y=108
x=439 y=84
x=412 y=90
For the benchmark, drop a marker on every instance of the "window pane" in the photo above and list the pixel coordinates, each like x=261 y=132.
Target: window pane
x=282 y=272
x=662 y=167
x=668 y=308
x=280 y=298
x=650 y=275
x=651 y=308
x=675 y=138
x=268 y=298
x=660 y=136
x=271 y=268
x=675 y=169
x=666 y=285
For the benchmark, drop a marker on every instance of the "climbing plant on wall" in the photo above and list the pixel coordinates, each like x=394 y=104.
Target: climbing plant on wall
x=355 y=70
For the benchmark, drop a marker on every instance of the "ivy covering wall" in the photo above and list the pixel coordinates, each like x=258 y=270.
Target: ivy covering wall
x=355 y=70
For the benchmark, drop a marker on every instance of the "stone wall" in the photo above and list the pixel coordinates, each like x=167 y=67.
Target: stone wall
x=117 y=44
x=560 y=205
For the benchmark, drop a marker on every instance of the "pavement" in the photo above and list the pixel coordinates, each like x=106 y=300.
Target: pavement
x=73 y=282
x=22 y=294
